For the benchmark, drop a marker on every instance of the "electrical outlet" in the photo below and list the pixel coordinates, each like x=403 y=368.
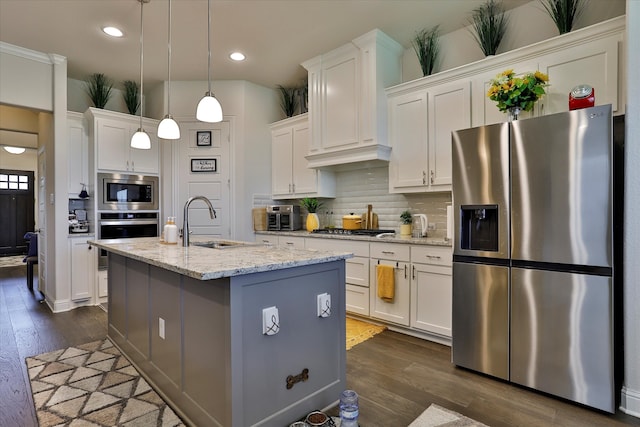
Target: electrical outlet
x=270 y=321
x=324 y=305
x=431 y=226
x=161 y=327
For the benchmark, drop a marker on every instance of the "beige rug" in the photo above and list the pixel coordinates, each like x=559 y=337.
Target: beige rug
x=358 y=331
x=94 y=385
x=437 y=416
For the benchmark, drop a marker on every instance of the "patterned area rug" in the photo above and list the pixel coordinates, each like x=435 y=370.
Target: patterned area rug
x=437 y=416
x=358 y=331
x=94 y=385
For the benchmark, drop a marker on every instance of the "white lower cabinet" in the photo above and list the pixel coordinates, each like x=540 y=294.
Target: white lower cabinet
x=83 y=268
x=103 y=283
x=431 y=290
x=357 y=270
x=423 y=286
x=397 y=309
x=291 y=242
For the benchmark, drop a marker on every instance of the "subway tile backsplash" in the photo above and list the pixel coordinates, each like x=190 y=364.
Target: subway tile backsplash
x=357 y=188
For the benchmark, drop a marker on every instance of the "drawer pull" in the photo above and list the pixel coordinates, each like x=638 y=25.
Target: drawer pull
x=388 y=252
x=433 y=256
x=293 y=379
x=289 y=243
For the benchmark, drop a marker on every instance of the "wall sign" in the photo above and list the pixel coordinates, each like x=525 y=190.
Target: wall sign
x=204 y=165
x=203 y=138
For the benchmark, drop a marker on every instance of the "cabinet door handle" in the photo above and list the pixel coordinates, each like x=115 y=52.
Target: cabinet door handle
x=133 y=166
x=413 y=272
x=424 y=177
x=127 y=164
x=293 y=186
x=405 y=271
x=432 y=175
x=90 y=247
x=290 y=188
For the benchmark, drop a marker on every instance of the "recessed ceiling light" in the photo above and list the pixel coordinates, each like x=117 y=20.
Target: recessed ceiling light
x=15 y=150
x=237 y=56
x=113 y=31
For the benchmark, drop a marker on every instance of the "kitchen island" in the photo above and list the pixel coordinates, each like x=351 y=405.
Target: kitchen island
x=230 y=335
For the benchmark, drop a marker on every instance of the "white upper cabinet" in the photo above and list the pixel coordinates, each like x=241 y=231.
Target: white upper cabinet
x=421 y=119
x=347 y=103
x=585 y=56
x=290 y=175
x=78 y=154
x=111 y=134
x=594 y=63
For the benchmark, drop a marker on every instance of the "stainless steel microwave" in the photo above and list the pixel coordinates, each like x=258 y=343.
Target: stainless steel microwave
x=124 y=192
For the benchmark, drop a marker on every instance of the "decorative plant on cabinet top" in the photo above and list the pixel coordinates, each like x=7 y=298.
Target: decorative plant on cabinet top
x=564 y=12
x=131 y=96
x=99 y=88
x=489 y=24
x=425 y=44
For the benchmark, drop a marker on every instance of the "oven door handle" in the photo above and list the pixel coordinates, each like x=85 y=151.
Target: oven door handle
x=132 y=222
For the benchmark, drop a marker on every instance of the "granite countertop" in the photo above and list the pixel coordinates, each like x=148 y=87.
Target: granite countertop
x=206 y=263
x=396 y=238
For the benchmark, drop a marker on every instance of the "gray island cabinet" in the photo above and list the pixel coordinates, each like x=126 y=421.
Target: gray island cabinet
x=198 y=323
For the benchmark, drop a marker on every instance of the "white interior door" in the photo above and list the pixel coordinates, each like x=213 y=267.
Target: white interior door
x=204 y=170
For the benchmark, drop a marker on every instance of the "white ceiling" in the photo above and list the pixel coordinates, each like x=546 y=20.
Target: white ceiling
x=275 y=35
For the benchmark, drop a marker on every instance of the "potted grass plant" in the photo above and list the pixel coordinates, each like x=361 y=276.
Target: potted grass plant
x=563 y=12
x=405 y=226
x=311 y=204
x=489 y=24
x=99 y=88
x=131 y=96
x=425 y=44
x=288 y=100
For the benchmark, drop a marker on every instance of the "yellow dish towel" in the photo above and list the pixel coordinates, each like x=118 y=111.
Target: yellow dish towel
x=386 y=282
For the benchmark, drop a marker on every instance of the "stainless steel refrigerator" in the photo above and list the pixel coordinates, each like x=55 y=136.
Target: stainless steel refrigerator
x=533 y=271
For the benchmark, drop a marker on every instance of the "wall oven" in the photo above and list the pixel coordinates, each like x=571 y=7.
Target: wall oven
x=124 y=225
x=124 y=192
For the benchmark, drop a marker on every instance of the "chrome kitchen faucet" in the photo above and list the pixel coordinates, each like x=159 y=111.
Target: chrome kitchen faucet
x=185 y=217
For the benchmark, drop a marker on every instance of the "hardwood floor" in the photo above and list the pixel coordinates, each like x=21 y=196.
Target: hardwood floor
x=396 y=376
x=27 y=328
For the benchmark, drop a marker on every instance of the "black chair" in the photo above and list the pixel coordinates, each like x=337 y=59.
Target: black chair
x=32 y=257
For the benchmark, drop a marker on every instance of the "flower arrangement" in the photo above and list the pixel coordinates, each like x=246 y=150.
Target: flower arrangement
x=510 y=91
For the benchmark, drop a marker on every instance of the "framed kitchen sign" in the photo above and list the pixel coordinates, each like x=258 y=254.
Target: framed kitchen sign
x=204 y=165
x=203 y=138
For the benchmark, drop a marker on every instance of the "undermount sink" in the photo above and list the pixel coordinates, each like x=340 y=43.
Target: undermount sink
x=222 y=244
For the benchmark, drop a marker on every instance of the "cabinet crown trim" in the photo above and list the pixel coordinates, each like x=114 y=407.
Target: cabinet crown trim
x=614 y=26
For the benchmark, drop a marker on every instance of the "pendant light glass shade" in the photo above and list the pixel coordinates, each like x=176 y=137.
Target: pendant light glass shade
x=141 y=140
x=209 y=109
x=168 y=128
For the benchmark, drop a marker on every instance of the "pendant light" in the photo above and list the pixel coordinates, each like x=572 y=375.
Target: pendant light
x=141 y=139
x=209 y=109
x=168 y=128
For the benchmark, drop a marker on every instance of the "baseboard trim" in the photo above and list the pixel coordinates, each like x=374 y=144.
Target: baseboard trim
x=630 y=402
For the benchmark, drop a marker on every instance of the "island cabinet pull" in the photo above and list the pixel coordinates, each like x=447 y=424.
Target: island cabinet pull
x=289 y=243
x=293 y=379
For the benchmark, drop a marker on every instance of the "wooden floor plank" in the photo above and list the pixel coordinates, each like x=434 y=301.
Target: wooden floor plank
x=397 y=376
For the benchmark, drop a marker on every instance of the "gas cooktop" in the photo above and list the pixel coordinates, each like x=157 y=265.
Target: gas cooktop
x=359 y=232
